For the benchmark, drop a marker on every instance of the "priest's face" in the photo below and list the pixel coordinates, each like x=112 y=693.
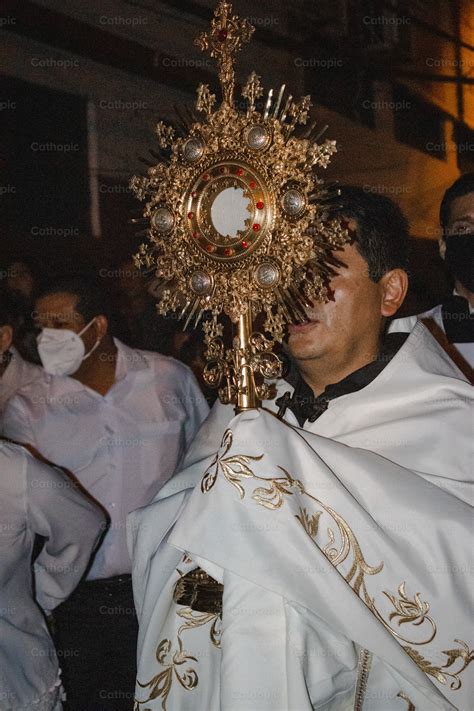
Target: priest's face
x=347 y=328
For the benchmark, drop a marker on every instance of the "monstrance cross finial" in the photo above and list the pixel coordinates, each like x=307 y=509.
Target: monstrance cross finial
x=228 y=34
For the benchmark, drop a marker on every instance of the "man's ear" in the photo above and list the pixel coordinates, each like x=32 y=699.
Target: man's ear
x=6 y=338
x=442 y=247
x=394 y=289
x=102 y=326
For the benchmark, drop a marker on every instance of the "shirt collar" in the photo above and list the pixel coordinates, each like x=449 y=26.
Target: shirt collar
x=6 y=376
x=305 y=405
x=128 y=360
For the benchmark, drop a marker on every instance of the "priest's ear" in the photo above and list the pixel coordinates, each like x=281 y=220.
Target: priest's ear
x=6 y=338
x=394 y=287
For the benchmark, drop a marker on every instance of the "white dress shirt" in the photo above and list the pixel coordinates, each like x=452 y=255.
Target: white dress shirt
x=37 y=499
x=18 y=373
x=122 y=446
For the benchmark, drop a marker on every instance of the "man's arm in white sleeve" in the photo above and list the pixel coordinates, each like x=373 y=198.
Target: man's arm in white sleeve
x=16 y=425
x=71 y=524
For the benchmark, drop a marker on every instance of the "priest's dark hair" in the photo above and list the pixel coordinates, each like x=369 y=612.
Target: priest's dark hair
x=382 y=236
x=92 y=298
x=462 y=186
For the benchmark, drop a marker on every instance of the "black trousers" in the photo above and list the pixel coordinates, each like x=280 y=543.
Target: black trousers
x=96 y=639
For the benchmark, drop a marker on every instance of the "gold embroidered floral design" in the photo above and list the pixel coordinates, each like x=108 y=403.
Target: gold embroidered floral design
x=406 y=610
x=337 y=554
x=233 y=468
x=413 y=611
x=411 y=706
x=174 y=659
x=462 y=653
x=309 y=523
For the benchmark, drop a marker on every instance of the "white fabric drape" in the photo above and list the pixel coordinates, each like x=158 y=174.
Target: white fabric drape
x=344 y=548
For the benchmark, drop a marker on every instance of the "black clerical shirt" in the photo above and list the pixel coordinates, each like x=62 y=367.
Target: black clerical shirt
x=458 y=322
x=305 y=405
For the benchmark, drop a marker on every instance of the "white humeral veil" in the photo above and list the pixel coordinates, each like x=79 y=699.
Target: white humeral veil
x=345 y=551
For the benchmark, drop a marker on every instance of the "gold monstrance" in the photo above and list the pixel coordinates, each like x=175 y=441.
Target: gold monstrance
x=236 y=220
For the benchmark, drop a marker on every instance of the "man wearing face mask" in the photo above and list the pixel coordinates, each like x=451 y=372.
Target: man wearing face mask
x=120 y=420
x=15 y=372
x=452 y=322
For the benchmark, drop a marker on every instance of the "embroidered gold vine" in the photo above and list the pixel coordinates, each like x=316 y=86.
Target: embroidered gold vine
x=403 y=696
x=406 y=611
x=461 y=653
x=174 y=659
x=233 y=468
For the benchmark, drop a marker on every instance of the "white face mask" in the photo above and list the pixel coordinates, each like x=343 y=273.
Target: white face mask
x=62 y=351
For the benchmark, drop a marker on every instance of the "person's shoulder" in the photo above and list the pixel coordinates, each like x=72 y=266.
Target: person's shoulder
x=26 y=369
x=423 y=358
x=13 y=481
x=33 y=392
x=12 y=449
x=13 y=457
x=165 y=364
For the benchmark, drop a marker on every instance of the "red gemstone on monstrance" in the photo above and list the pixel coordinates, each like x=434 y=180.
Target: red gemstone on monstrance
x=244 y=244
x=228 y=251
x=222 y=35
x=253 y=184
x=210 y=247
x=239 y=171
x=256 y=227
x=190 y=215
x=259 y=205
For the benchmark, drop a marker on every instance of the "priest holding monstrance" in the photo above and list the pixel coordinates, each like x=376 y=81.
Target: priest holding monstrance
x=314 y=552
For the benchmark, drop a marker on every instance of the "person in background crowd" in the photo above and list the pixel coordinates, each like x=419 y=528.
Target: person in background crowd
x=141 y=325
x=120 y=420
x=452 y=321
x=37 y=499
x=15 y=372
x=20 y=279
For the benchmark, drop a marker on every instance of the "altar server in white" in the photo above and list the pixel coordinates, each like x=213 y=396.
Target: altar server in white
x=452 y=321
x=316 y=553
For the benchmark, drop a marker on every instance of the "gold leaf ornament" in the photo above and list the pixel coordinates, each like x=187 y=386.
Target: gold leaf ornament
x=233 y=468
x=165 y=134
x=252 y=91
x=205 y=99
x=160 y=686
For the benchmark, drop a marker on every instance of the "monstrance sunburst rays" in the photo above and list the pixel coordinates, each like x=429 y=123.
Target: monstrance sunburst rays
x=274 y=256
